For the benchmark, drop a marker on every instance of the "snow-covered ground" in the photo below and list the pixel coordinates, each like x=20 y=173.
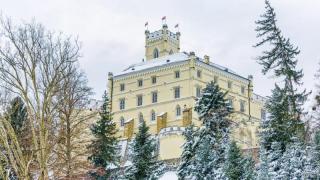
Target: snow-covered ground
x=170 y=175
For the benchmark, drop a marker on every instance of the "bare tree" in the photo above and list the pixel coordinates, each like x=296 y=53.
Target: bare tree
x=74 y=120
x=32 y=65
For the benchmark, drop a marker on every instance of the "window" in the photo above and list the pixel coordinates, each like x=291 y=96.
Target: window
x=171 y=52
x=229 y=84
x=121 y=87
x=178 y=111
x=153 y=115
x=263 y=115
x=122 y=103
x=177 y=74
x=139 y=100
x=198 y=91
x=121 y=121
x=242 y=106
x=243 y=89
x=177 y=92
x=199 y=74
x=155 y=53
x=140 y=117
x=154 y=79
x=154 y=97
x=230 y=102
x=215 y=79
x=140 y=82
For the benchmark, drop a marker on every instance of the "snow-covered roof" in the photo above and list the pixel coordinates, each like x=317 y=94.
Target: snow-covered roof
x=128 y=120
x=169 y=60
x=154 y=63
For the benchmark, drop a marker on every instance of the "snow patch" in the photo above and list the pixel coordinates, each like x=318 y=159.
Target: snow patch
x=170 y=175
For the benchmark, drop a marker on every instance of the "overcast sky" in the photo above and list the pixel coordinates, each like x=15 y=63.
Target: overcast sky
x=112 y=32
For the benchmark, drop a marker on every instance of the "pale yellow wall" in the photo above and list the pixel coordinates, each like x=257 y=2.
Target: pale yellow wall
x=170 y=146
x=244 y=131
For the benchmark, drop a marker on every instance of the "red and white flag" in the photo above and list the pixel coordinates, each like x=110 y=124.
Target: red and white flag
x=146 y=24
x=176 y=26
x=164 y=18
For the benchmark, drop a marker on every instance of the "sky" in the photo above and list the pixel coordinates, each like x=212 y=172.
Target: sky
x=112 y=32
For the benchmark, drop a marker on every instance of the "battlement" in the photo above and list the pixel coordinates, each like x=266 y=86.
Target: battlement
x=161 y=42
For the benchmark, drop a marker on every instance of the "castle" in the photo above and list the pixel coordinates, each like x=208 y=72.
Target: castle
x=163 y=89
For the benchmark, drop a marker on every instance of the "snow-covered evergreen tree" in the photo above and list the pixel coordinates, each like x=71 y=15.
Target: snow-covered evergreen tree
x=249 y=171
x=144 y=159
x=186 y=160
x=213 y=138
x=281 y=59
x=263 y=166
x=293 y=162
x=104 y=147
x=233 y=166
x=274 y=159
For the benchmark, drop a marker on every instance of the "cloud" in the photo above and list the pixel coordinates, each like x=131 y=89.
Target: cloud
x=112 y=32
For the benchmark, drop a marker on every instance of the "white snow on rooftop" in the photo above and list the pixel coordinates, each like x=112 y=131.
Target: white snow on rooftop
x=169 y=59
x=154 y=63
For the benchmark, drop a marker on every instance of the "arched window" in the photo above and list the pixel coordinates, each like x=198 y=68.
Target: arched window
x=178 y=111
x=153 y=115
x=171 y=52
x=122 y=121
x=140 y=117
x=155 y=53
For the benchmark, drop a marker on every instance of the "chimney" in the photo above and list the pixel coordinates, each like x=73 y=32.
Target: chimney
x=206 y=59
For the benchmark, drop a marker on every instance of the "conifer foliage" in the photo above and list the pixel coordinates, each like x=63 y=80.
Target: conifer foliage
x=285 y=105
x=104 y=148
x=204 y=151
x=144 y=159
x=237 y=166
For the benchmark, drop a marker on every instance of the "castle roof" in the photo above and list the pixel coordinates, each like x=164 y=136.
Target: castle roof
x=171 y=60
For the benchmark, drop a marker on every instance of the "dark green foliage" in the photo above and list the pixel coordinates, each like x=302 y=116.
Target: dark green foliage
x=285 y=105
x=104 y=148
x=234 y=168
x=144 y=159
x=188 y=152
x=17 y=114
x=203 y=155
x=237 y=166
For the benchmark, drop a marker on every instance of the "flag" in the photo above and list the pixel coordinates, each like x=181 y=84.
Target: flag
x=163 y=18
x=176 y=26
x=146 y=24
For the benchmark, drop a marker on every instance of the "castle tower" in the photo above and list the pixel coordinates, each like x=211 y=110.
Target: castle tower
x=161 y=43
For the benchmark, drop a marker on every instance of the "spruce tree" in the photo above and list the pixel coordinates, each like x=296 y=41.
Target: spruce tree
x=233 y=167
x=144 y=158
x=281 y=58
x=249 y=171
x=186 y=160
x=104 y=147
x=211 y=140
x=238 y=166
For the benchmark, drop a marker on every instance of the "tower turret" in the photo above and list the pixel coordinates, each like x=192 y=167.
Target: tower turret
x=161 y=43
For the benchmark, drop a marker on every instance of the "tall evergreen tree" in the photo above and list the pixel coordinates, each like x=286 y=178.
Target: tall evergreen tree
x=281 y=59
x=144 y=158
x=233 y=167
x=210 y=142
x=238 y=166
x=186 y=162
x=104 y=148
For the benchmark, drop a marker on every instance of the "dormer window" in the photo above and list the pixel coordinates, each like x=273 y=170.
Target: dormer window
x=155 y=53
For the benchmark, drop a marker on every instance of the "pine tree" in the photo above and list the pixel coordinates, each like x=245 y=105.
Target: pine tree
x=144 y=158
x=186 y=163
x=293 y=162
x=249 y=171
x=281 y=59
x=104 y=148
x=238 y=166
x=263 y=171
x=233 y=167
x=274 y=159
x=211 y=141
